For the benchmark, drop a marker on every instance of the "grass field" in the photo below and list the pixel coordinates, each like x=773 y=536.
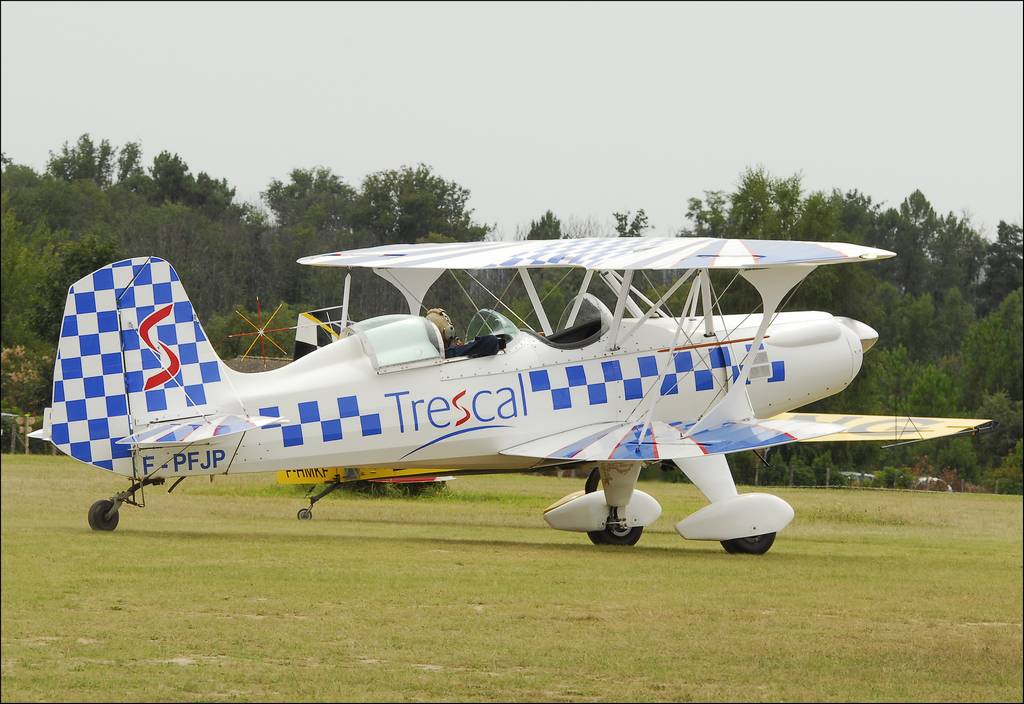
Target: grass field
x=217 y=592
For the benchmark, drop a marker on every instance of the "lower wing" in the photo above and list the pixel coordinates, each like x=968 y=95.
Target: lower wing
x=635 y=441
x=899 y=429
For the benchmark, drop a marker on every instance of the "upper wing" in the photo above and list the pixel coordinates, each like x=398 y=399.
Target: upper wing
x=856 y=428
x=601 y=254
x=667 y=441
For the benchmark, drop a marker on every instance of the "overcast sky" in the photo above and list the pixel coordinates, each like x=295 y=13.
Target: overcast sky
x=580 y=108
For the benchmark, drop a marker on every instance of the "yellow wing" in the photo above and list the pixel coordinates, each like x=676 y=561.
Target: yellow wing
x=894 y=428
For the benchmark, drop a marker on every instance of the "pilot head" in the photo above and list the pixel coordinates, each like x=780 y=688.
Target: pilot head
x=440 y=318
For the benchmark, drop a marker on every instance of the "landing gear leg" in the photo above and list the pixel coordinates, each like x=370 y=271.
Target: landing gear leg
x=103 y=515
x=615 y=532
x=306 y=514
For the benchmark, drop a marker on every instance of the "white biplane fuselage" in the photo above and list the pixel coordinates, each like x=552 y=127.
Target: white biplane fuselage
x=461 y=413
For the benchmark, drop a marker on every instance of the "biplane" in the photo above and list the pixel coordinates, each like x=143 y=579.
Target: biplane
x=140 y=392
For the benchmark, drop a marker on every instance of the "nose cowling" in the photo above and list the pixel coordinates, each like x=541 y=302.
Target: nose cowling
x=867 y=335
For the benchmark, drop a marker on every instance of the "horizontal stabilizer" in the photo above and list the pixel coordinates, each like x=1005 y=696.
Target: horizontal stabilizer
x=197 y=430
x=602 y=442
x=900 y=429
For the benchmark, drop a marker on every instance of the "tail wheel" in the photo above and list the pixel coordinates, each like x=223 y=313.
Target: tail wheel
x=754 y=545
x=98 y=512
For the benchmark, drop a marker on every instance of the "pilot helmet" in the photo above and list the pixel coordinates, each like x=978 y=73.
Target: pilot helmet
x=440 y=318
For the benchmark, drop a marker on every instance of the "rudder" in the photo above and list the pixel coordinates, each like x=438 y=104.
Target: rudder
x=131 y=353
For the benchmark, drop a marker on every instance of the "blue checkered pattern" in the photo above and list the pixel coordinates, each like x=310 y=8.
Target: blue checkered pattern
x=327 y=424
x=568 y=252
x=103 y=364
x=591 y=381
x=778 y=368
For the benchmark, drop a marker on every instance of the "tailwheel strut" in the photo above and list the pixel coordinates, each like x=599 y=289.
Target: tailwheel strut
x=306 y=514
x=103 y=515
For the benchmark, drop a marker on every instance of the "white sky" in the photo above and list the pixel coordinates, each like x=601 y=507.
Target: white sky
x=580 y=108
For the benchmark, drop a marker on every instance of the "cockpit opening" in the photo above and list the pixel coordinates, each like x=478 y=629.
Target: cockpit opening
x=592 y=321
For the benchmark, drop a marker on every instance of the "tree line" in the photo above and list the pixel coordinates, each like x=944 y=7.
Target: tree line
x=948 y=309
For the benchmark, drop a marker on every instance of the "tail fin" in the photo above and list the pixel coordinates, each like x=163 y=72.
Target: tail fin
x=131 y=353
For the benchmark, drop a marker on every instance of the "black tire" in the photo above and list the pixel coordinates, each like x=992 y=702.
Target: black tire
x=754 y=545
x=304 y=514
x=98 y=515
x=610 y=537
x=593 y=481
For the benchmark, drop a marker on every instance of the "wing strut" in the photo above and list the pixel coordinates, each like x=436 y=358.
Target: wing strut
x=656 y=306
x=538 y=307
x=773 y=285
x=709 y=313
x=344 y=301
x=620 y=307
x=579 y=298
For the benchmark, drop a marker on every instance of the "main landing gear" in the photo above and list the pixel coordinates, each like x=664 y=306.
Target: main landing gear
x=103 y=515
x=615 y=532
x=306 y=514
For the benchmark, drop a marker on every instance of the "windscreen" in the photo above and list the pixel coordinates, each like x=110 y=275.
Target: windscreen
x=490 y=322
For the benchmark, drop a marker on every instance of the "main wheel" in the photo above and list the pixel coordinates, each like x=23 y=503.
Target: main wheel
x=610 y=536
x=98 y=515
x=304 y=514
x=754 y=545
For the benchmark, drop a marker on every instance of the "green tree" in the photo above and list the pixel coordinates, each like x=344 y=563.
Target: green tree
x=314 y=199
x=932 y=392
x=957 y=254
x=1009 y=414
x=548 y=227
x=313 y=214
x=25 y=380
x=765 y=207
x=72 y=260
x=890 y=373
x=992 y=353
x=1004 y=266
x=84 y=160
x=709 y=216
x=953 y=318
x=1008 y=478
x=405 y=205
x=171 y=178
x=913 y=238
x=173 y=183
x=129 y=164
x=629 y=225
x=23 y=257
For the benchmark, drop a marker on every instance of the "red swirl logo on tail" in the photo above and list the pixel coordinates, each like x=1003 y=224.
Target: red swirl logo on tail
x=168 y=372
